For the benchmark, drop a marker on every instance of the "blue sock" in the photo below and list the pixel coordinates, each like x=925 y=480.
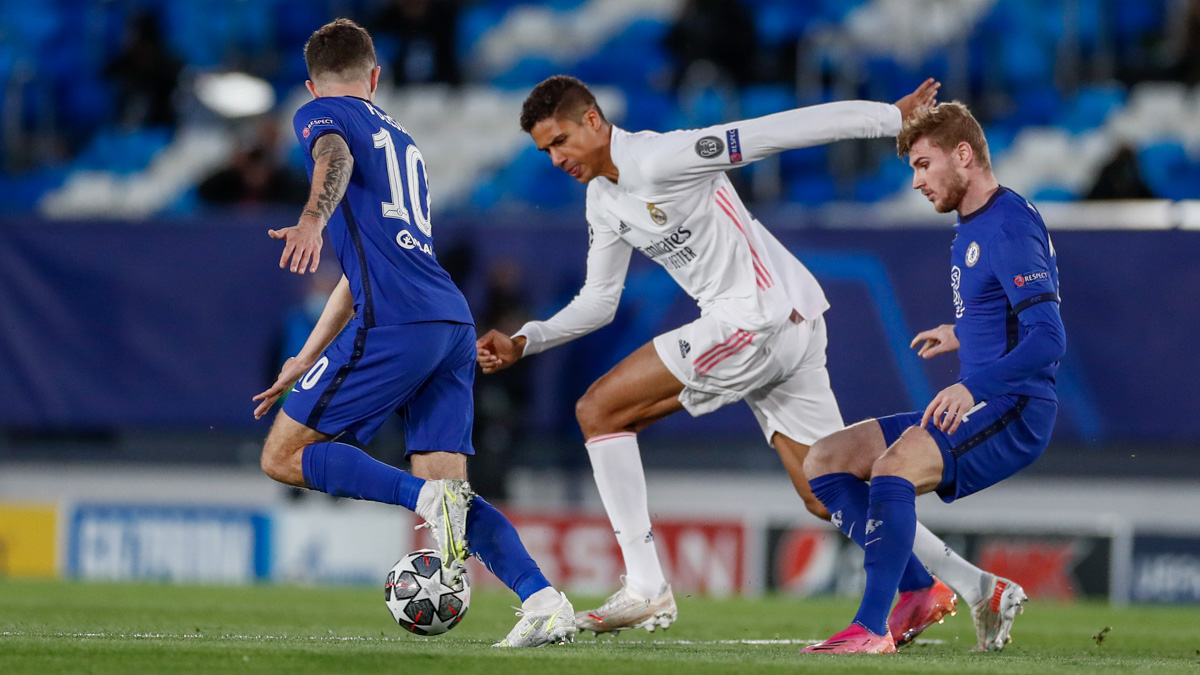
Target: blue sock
x=847 y=498
x=345 y=471
x=892 y=519
x=494 y=540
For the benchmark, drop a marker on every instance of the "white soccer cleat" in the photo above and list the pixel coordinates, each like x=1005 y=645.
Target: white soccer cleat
x=446 y=518
x=628 y=609
x=555 y=625
x=995 y=613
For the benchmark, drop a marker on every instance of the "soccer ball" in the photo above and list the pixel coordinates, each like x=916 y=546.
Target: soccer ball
x=418 y=598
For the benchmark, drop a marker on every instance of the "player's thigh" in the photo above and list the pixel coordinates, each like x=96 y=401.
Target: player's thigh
x=635 y=393
x=288 y=435
x=440 y=415
x=852 y=450
x=364 y=376
x=1005 y=436
x=915 y=457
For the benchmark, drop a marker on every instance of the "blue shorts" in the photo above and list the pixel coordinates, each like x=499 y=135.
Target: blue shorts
x=422 y=371
x=995 y=442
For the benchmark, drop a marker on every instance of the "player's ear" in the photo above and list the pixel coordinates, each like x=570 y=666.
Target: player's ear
x=375 y=78
x=312 y=88
x=964 y=153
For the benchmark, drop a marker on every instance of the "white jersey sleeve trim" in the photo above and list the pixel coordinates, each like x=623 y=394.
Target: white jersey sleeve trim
x=596 y=304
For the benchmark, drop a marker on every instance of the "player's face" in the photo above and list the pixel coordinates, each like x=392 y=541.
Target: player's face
x=577 y=148
x=937 y=174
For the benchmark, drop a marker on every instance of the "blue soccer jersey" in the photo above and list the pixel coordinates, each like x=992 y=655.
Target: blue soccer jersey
x=1004 y=274
x=381 y=230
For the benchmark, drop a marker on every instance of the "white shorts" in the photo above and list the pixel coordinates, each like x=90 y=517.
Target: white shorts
x=780 y=375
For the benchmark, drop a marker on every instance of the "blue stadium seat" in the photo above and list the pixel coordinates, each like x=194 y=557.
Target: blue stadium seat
x=122 y=151
x=1090 y=107
x=1168 y=170
x=811 y=190
x=1054 y=193
x=526 y=73
x=649 y=109
x=764 y=99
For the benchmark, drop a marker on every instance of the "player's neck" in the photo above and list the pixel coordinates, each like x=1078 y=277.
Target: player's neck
x=609 y=168
x=356 y=89
x=979 y=191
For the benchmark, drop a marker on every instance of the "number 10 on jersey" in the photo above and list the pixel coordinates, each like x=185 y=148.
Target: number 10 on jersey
x=414 y=165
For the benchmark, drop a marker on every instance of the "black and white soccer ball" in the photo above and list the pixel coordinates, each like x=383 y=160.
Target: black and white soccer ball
x=418 y=598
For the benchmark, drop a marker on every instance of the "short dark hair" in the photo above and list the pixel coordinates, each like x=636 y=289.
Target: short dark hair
x=340 y=48
x=561 y=97
x=945 y=125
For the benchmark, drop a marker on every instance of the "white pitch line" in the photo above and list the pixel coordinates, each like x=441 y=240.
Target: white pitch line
x=407 y=638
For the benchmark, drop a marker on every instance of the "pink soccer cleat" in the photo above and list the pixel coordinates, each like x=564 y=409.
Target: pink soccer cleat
x=918 y=610
x=854 y=640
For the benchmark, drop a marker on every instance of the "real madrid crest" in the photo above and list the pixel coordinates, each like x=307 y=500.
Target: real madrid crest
x=656 y=214
x=972 y=254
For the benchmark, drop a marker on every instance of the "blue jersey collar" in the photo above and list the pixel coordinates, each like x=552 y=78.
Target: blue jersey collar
x=963 y=220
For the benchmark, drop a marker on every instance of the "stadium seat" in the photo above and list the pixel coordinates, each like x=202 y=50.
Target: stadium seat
x=1168 y=171
x=122 y=152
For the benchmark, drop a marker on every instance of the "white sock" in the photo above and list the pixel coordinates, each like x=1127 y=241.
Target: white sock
x=967 y=580
x=542 y=600
x=427 y=498
x=617 y=466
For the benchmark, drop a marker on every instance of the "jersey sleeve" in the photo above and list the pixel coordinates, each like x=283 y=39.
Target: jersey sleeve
x=317 y=118
x=596 y=304
x=1021 y=258
x=680 y=155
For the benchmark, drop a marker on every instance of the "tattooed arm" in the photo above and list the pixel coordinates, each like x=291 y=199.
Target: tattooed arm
x=331 y=175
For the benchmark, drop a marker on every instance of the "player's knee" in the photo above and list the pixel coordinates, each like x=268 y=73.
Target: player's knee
x=593 y=418
x=890 y=464
x=279 y=464
x=821 y=460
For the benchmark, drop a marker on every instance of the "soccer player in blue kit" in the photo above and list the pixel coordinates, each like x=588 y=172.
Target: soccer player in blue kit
x=396 y=337
x=994 y=421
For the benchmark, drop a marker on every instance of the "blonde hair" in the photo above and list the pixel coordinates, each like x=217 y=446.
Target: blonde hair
x=945 y=125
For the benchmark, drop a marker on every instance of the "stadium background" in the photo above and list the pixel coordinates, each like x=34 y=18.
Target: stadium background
x=146 y=148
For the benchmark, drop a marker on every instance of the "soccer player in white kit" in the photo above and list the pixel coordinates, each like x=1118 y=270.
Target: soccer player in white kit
x=760 y=338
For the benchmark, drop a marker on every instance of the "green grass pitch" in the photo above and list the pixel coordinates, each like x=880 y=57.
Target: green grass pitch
x=71 y=627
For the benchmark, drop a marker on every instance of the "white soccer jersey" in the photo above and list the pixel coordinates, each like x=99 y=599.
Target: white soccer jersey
x=674 y=203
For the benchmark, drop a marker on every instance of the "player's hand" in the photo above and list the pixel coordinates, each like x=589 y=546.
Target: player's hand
x=925 y=96
x=303 y=244
x=946 y=410
x=496 y=351
x=292 y=370
x=940 y=340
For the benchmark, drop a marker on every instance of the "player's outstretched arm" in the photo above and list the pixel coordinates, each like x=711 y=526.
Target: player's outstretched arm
x=331 y=175
x=940 y=340
x=924 y=96
x=337 y=313
x=497 y=351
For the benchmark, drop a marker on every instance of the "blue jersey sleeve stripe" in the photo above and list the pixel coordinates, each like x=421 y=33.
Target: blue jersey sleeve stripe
x=1037 y=299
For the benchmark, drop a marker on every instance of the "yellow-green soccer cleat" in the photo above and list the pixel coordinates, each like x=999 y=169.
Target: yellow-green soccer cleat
x=446 y=518
x=995 y=613
x=628 y=609
x=555 y=625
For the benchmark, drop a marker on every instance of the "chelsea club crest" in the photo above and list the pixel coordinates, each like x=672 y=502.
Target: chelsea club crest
x=972 y=254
